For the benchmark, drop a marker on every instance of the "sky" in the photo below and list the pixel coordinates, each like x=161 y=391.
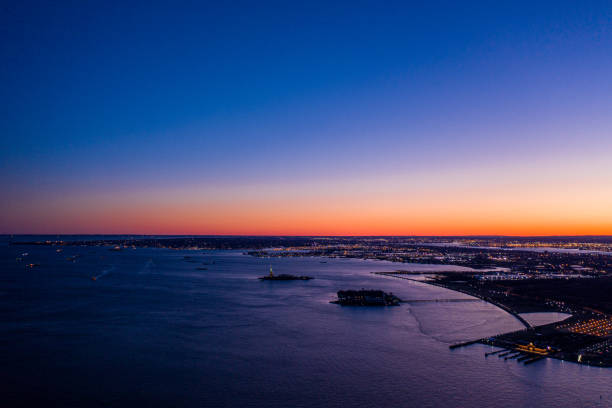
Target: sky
x=306 y=118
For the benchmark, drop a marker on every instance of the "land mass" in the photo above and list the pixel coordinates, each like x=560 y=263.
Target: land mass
x=526 y=274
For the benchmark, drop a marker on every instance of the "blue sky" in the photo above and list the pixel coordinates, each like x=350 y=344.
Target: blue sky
x=109 y=98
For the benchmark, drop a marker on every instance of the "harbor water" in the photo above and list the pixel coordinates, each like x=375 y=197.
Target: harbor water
x=170 y=328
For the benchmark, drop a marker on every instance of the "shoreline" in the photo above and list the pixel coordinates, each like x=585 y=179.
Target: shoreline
x=511 y=346
x=506 y=309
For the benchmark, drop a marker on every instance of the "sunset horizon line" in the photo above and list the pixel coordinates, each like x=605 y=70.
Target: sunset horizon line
x=316 y=235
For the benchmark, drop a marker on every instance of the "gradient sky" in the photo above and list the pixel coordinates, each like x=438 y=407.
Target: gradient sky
x=374 y=118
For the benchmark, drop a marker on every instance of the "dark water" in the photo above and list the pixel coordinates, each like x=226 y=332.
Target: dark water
x=154 y=331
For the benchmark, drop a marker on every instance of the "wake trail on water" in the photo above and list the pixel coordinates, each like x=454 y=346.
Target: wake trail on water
x=104 y=272
x=147 y=267
x=440 y=337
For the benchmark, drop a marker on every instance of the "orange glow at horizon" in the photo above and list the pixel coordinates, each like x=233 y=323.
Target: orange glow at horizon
x=500 y=202
x=350 y=216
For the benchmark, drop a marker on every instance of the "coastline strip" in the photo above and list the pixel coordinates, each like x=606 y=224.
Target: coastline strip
x=499 y=305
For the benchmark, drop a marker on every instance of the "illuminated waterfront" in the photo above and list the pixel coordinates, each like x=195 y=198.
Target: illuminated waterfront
x=221 y=337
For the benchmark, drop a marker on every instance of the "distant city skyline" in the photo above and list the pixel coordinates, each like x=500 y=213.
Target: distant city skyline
x=313 y=119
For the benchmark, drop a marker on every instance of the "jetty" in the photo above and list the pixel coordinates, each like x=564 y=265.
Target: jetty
x=460 y=290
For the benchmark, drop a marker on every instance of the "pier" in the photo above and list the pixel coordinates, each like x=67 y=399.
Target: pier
x=512 y=356
x=467 y=343
x=533 y=360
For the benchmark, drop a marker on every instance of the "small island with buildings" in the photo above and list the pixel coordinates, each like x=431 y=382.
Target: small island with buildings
x=365 y=297
x=283 y=277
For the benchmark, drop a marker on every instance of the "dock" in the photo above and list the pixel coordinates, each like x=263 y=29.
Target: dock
x=467 y=343
x=534 y=360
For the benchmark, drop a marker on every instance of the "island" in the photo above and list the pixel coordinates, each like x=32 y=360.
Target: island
x=283 y=277
x=366 y=297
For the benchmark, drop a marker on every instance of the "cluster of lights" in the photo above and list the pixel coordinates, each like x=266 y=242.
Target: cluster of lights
x=599 y=348
x=593 y=327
